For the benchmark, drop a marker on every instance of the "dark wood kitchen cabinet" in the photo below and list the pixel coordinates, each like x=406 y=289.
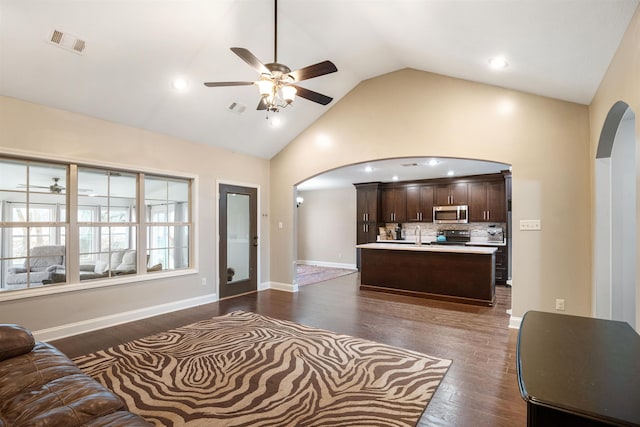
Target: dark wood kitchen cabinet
x=394 y=204
x=367 y=208
x=455 y=193
x=501 y=265
x=502 y=262
x=487 y=201
x=420 y=203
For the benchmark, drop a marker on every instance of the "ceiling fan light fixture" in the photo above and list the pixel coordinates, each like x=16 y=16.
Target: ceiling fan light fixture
x=265 y=87
x=288 y=93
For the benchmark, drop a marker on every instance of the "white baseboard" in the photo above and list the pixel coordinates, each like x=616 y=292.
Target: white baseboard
x=63 y=331
x=327 y=264
x=514 y=322
x=287 y=287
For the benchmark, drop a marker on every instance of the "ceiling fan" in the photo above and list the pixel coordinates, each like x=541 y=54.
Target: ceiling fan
x=55 y=188
x=277 y=82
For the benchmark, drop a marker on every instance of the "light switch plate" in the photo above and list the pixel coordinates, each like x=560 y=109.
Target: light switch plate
x=530 y=225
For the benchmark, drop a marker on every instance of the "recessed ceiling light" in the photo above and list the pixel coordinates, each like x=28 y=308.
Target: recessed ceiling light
x=450 y=173
x=433 y=162
x=180 y=84
x=395 y=177
x=498 y=63
x=368 y=169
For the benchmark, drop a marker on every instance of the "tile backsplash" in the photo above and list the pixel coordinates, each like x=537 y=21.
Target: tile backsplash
x=429 y=230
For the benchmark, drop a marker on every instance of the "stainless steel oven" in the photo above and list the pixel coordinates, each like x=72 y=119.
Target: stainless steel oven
x=458 y=214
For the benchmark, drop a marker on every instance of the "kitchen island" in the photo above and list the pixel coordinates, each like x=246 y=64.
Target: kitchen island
x=453 y=273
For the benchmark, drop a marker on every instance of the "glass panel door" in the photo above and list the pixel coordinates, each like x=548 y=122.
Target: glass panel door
x=238 y=240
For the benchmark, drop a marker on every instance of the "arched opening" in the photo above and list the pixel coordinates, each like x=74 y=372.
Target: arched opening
x=615 y=251
x=325 y=221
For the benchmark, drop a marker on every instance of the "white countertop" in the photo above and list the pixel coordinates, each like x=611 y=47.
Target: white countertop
x=482 y=250
x=426 y=242
x=487 y=243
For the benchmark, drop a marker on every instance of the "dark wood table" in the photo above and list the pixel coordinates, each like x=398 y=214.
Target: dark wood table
x=578 y=371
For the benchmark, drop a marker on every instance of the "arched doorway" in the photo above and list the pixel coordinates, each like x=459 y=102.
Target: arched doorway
x=615 y=218
x=325 y=236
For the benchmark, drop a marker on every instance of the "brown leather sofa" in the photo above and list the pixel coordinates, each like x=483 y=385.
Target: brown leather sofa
x=40 y=386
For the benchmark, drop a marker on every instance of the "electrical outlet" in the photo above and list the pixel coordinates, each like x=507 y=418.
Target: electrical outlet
x=530 y=225
x=204 y=281
x=560 y=304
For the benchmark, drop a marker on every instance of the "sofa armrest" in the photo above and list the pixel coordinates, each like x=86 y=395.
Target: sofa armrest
x=14 y=341
x=54 y=268
x=16 y=270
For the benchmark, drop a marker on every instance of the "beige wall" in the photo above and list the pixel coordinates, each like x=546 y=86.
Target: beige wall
x=620 y=83
x=50 y=132
x=413 y=113
x=326 y=226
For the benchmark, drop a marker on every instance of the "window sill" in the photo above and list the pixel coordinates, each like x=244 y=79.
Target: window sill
x=90 y=284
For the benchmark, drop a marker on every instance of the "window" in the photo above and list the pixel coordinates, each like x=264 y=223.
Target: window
x=33 y=223
x=124 y=223
x=168 y=222
x=107 y=223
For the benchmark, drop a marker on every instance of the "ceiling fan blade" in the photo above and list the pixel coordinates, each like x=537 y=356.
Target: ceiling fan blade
x=312 y=96
x=262 y=104
x=32 y=186
x=251 y=59
x=315 y=70
x=219 y=84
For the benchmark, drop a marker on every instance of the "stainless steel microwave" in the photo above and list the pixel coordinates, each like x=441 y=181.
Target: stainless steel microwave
x=451 y=214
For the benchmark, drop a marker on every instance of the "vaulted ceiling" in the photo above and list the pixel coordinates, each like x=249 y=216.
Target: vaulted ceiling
x=134 y=49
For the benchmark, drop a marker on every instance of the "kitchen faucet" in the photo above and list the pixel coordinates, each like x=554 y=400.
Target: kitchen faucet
x=418 y=235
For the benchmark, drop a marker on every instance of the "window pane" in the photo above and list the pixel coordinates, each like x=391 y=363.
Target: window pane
x=181 y=259
x=35 y=256
x=113 y=256
x=47 y=178
x=123 y=185
x=17 y=245
x=158 y=257
x=121 y=210
x=178 y=191
x=93 y=182
x=13 y=175
x=158 y=237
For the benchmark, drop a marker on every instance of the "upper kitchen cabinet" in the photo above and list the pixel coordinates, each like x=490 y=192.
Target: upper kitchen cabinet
x=367 y=208
x=367 y=201
x=487 y=201
x=394 y=204
x=420 y=203
x=455 y=193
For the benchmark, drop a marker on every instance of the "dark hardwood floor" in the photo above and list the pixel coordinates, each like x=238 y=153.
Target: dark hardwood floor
x=480 y=388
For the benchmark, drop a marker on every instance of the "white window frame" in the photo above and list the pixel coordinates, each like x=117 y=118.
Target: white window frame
x=71 y=229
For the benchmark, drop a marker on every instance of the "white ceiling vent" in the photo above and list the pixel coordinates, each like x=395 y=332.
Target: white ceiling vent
x=67 y=41
x=237 y=108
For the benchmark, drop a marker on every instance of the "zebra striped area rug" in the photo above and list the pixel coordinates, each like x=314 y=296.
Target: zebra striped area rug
x=244 y=369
